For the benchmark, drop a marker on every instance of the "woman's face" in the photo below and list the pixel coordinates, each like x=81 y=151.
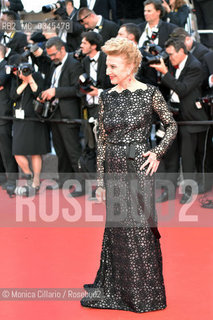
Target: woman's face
x=117 y=69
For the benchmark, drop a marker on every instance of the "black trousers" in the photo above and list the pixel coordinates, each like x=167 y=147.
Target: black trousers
x=169 y=165
x=66 y=141
x=190 y=144
x=9 y=161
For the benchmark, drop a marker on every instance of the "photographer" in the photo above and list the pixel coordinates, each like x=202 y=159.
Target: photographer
x=64 y=74
x=184 y=78
x=196 y=48
x=30 y=138
x=92 y=83
x=10 y=164
x=94 y=66
x=65 y=10
x=177 y=12
x=92 y=21
x=208 y=104
x=14 y=5
x=15 y=41
x=154 y=31
x=71 y=38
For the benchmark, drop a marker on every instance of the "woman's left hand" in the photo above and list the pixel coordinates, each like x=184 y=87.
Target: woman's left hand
x=152 y=163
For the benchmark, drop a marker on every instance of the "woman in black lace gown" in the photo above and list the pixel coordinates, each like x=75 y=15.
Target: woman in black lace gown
x=130 y=274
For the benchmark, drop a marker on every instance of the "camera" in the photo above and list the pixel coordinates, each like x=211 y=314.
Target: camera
x=53 y=6
x=25 y=68
x=160 y=132
x=152 y=54
x=30 y=48
x=45 y=109
x=86 y=82
x=206 y=102
x=78 y=54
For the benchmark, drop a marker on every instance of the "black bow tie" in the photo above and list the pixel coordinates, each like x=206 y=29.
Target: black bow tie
x=58 y=64
x=98 y=27
x=6 y=36
x=92 y=60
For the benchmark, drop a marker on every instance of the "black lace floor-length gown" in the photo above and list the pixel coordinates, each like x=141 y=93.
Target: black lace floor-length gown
x=130 y=274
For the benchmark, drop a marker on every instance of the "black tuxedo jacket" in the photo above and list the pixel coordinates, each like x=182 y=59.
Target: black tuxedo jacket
x=69 y=103
x=5 y=81
x=208 y=61
x=165 y=29
x=103 y=79
x=199 y=50
x=207 y=71
x=188 y=88
x=103 y=8
x=74 y=37
x=130 y=9
x=108 y=29
x=17 y=42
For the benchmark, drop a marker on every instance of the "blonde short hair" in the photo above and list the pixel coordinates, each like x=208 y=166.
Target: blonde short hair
x=125 y=48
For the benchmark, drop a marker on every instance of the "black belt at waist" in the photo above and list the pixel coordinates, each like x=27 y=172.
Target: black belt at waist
x=175 y=104
x=127 y=143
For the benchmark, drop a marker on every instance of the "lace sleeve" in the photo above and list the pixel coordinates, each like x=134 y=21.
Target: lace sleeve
x=101 y=146
x=170 y=125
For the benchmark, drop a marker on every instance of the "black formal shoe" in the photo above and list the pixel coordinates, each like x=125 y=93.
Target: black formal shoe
x=75 y=193
x=11 y=190
x=187 y=196
x=55 y=186
x=163 y=197
x=59 y=185
x=93 y=196
x=8 y=184
x=27 y=176
x=208 y=204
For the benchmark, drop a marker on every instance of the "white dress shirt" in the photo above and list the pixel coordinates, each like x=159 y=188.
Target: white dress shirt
x=57 y=73
x=91 y=4
x=174 y=97
x=147 y=34
x=93 y=75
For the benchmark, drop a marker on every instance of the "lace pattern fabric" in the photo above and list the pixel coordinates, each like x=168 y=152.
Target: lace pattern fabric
x=130 y=273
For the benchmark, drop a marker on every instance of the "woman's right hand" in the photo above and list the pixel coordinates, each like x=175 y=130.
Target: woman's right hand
x=100 y=194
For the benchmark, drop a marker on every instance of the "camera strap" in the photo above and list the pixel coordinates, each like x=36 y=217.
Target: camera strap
x=151 y=38
x=56 y=75
x=19 y=112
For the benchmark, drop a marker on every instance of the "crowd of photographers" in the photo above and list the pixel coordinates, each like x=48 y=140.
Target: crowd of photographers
x=58 y=72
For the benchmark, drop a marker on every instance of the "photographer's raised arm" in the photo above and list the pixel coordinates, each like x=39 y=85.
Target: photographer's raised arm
x=21 y=88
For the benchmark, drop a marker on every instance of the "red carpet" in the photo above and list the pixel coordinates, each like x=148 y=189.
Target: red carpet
x=61 y=254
